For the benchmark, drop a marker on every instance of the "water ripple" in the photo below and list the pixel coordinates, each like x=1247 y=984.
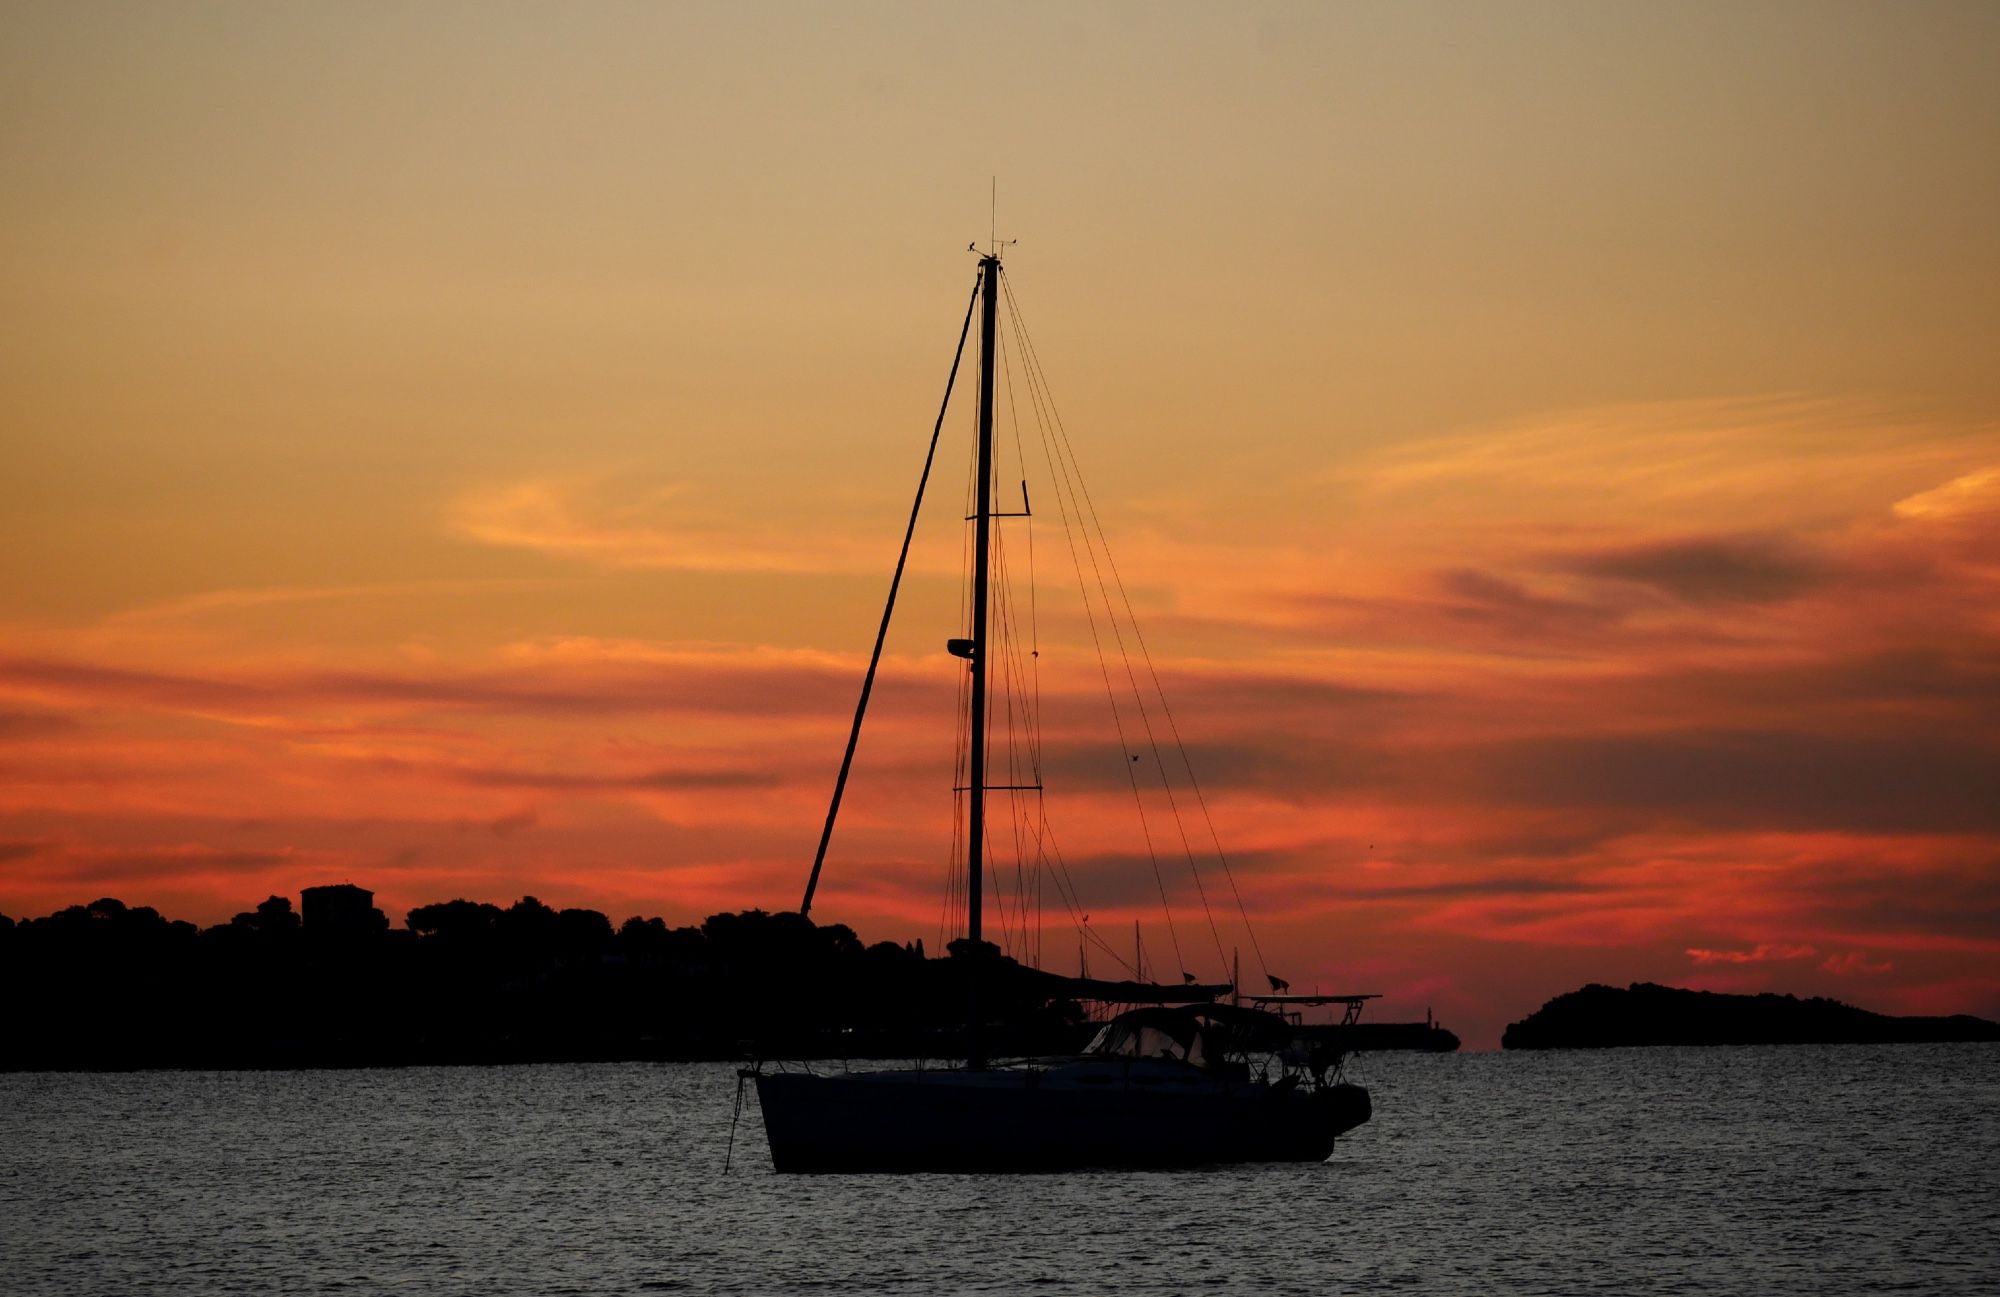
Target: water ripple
x=1786 y=1170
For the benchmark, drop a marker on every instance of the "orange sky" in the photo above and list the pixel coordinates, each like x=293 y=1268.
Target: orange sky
x=1554 y=450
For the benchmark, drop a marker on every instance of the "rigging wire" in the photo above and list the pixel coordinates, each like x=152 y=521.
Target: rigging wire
x=1077 y=916
x=1000 y=631
x=1033 y=364
x=888 y=610
x=1023 y=729
x=1035 y=681
x=1037 y=855
x=1046 y=851
x=1061 y=471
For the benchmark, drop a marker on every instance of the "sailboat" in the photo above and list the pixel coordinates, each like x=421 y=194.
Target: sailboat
x=1175 y=1083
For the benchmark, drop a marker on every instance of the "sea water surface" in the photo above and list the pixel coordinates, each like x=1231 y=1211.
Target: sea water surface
x=1801 y=1169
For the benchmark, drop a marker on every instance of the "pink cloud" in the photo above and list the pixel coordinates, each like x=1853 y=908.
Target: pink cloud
x=1763 y=953
x=1856 y=961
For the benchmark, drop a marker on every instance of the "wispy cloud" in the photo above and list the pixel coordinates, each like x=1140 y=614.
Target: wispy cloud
x=595 y=521
x=1976 y=493
x=1856 y=961
x=1773 y=460
x=1708 y=689
x=1763 y=953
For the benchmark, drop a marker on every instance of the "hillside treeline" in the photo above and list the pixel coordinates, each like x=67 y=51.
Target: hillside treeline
x=107 y=985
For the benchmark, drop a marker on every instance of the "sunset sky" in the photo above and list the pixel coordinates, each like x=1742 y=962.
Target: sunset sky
x=1554 y=450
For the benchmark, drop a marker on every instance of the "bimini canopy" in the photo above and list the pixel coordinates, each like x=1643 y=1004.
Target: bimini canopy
x=1153 y=1033
x=1237 y=1030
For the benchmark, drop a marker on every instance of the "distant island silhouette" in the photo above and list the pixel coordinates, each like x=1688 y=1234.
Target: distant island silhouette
x=1597 y=1017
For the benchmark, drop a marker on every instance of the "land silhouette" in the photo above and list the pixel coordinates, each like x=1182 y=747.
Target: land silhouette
x=1644 y=1013
x=112 y=986
x=332 y=983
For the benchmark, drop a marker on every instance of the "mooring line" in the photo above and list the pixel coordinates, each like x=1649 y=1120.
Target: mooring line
x=730 y=1152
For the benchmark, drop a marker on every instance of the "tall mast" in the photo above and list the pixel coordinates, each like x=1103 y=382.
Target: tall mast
x=982 y=543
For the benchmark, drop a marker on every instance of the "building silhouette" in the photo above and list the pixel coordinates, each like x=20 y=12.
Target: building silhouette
x=341 y=910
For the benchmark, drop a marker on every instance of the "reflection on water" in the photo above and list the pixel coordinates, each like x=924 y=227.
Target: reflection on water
x=1781 y=1170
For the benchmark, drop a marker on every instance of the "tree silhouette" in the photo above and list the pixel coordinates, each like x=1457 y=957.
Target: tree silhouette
x=471 y=981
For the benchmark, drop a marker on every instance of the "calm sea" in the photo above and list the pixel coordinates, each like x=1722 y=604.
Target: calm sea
x=1773 y=1170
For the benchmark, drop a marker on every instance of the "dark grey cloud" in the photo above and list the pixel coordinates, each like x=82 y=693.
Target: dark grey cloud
x=501 y=826
x=758 y=689
x=1475 y=596
x=1457 y=605
x=1859 y=893
x=1496 y=885
x=1745 y=568
x=1954 y=687
x=33 y=725
x=1126 y=878
x=665 y=780
x=1256 y=694
x=151 y=686
x=149 y=866
x=1279 y=765
x=1750 y=780
x=21 y=850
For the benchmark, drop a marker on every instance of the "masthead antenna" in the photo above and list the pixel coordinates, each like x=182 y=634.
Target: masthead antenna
x=993 y=240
